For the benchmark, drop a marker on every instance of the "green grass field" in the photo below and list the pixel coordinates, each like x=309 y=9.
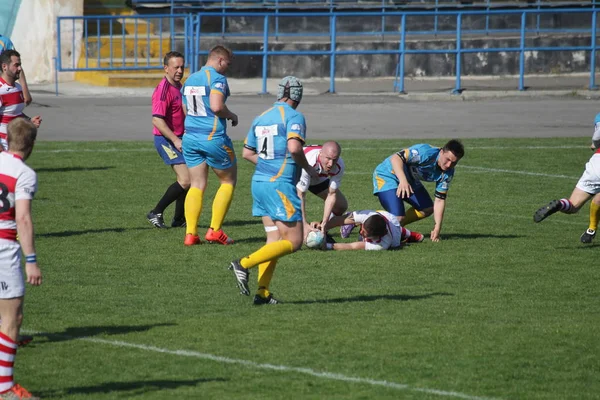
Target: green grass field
x=502 y=308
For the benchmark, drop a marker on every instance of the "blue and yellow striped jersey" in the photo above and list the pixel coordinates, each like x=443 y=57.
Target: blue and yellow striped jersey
x=268 y=137
x=200 y=119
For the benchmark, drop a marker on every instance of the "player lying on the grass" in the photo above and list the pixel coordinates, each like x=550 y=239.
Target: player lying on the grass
x=327 y=162
x=398 y=179
x=586 y=188
x=379 y=230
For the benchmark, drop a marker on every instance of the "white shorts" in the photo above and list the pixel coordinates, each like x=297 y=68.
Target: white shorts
x=590 y=180
x=12 y=283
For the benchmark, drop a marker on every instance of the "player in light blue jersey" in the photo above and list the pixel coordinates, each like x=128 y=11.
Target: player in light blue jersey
x=274 y=143
x=398 y=179
x=7 y=44
x=205 y=143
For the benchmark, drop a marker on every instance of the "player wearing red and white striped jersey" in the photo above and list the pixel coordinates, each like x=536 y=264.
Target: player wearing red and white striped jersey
x=17 y=187
x=7 y=44
x=327 y=162
x=12 y=102
x=379 y=230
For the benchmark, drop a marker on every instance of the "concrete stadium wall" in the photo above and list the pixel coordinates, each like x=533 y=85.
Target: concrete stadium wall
x=35 y=36
x=361 y=23
x=416 y=65
x=431 y=65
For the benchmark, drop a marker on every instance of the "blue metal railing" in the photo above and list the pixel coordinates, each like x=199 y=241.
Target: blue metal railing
x=98 y=30
x=327 y=4
x=192 y=36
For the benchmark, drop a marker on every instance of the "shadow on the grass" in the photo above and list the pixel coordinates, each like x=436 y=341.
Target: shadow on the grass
x=256 y=239
x=91 y=331
x=136 y=388
x=72 y=169
x=85 y=232
x=398 y=297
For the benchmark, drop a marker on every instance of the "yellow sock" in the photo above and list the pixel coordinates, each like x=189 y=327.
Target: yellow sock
x=265 y=274
x=268 y=252
x=412 y=215
x=594 y=215
x=193 y=208
x=221 y=205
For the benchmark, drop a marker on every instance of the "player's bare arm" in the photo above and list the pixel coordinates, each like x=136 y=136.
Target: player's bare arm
x=439 y=205
x=25 y=231
x=346 y=246
x=297 y=154
x=218 y=106
x=250 y=155
x=340 y=220
x=404 y=189
x=37 y=120
x=164 y=130
x=328 y=208
x=26 y=94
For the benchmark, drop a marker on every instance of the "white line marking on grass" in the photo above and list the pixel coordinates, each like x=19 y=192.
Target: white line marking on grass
x=509 y=171
x=530 y=218
x=117 y=150
x=109 y=150
x=282 y=368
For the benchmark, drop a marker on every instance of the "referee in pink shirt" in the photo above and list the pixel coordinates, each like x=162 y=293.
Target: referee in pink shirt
x=168 y=118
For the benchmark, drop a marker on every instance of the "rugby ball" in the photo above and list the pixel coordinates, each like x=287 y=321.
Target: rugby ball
x=314 y=239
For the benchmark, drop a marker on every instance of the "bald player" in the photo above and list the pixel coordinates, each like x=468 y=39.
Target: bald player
x=327 y=162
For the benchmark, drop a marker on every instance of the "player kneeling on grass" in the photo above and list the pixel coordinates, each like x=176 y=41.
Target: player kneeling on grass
x=379 y=230
x=18 y=184
x=587 y=188
x=398 y=179
x=327 y=162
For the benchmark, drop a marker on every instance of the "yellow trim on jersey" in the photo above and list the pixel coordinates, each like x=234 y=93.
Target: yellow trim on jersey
x=266 y=111
x=216 y=91
x=380 y=182
x=282 y=112
x=230 y=152
x=293 y=135
x=207 y=72
x=273 y=179
x=289 y=208
x=214 y=128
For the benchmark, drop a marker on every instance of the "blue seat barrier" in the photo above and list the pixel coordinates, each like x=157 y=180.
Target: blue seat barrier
x=191 y=33
x=108 y=34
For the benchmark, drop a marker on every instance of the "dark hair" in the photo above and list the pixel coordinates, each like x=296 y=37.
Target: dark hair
x=6 y=56
x=456 y=147
x=172 y=54
x=375 y=226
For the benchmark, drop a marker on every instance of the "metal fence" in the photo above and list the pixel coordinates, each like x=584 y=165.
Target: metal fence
x=187 y=30
x=191 y=5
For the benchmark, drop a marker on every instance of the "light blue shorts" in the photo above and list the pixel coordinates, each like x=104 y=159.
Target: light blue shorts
x=278 y=200
x=217 y=152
